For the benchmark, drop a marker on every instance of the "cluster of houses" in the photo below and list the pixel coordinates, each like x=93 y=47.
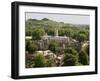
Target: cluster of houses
x=47 y=54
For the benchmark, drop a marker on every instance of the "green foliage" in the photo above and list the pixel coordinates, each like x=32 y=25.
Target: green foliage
x=71 y=57
x=78 y=32
x=29 y=64
x=83 y=58
x=85 y=32
x=37 y=34
x=70 y=60
x=80 y=37
x=28 y=32
x=69 y=32
x=71 y=51
x=50 y=31
x=40 y=60
x=53 y=46
x=65 y=32
x=31 y=46
x=62 y=32
x=27 y=43
x=45 y=19
x=50 y=62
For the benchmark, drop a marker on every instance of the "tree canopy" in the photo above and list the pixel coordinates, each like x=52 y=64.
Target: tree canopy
x=71 y=57
x=40 y=60
x=31 y=46
x=70 y=60
x=53 y=46
x=37 y=34
x=83 y=58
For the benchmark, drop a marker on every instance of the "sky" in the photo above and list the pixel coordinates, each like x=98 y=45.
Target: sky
x=66 y=18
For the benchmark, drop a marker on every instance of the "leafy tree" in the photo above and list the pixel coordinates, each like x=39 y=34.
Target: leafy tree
x=53 y=46
x=85 y=32
x=40 y=60
x=61 y=32
x=50 y=62
x=71 y=57
x=83 y=58
x=27 y=43
x=70 y=60
x=31 y=46
x=37 y=33
x=50 y=31
x=71 y=51
x=80 y=37
x=68 y=32
x=28 y=32
x=45 y=19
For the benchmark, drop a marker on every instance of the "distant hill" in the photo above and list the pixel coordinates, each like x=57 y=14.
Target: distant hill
x=47 y=23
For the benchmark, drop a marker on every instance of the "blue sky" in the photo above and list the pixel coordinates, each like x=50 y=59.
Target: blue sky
x=66 y=18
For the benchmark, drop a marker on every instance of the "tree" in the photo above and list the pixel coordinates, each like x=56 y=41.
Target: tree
x=70 y=60
x=71 y=51
x=50 y=31
x=50 y=62
x=28 y=32
x=40 y=60
x=81 y=37
x=68 y=32
x=71 y=57
x=31 y=46
x=53 y=46
x=27 y=43
x=45 y=19
x=83 y=58
x=37 y=34
x=85 y=32
x=61 y=32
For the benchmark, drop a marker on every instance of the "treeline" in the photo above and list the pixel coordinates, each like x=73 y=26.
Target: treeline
x=38 y=28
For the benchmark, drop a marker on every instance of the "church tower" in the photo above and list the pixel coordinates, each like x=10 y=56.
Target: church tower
x=56 y=32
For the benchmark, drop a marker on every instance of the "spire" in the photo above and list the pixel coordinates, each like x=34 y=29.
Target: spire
x=56 y=32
